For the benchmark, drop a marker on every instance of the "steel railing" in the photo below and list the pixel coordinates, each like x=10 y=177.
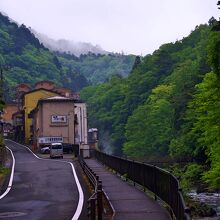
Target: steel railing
x=95 y=202
x=162 y=183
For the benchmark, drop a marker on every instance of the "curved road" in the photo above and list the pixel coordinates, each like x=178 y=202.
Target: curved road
x=41 y=189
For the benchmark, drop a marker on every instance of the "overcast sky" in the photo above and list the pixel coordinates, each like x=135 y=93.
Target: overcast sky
x=131 y=26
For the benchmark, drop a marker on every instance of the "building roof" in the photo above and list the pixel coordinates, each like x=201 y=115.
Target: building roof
x=12 y=103
x=18 y=113
x=36 y=90
x=63 y=88
x=22 y=85
x=50 y=99
x=8 y=111
x=55 y=99
x=58 y=99
x=45 y=81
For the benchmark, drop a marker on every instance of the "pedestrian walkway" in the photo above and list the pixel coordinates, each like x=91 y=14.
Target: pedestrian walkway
x=129 y=202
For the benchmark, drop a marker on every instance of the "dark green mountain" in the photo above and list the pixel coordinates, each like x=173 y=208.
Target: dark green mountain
x=30 y=62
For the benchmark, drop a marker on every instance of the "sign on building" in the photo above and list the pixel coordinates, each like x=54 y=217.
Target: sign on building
x=58 y=119
x=48 y=140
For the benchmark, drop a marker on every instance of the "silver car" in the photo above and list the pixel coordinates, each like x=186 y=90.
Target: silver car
x=45 y=150
x=56 y=150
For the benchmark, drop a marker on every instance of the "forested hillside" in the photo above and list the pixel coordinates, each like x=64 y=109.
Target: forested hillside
x=29 y=61
x=168 y=108
x=97 y=68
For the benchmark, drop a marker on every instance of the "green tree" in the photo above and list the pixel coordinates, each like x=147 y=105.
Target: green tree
x=149 y=130
x=214 y=52
x=206 y=105
x=136 y=62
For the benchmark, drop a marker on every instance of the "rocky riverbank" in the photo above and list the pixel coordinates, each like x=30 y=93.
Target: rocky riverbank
x=205 y=205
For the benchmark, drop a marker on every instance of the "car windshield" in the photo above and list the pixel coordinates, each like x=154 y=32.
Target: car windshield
x=56 y=147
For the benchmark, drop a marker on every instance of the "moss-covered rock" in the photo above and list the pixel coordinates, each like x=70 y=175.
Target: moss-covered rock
x=200 y=209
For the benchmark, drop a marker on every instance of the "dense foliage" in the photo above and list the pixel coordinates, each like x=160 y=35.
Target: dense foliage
x=168 y=108
x=97 y=68
x=30 y=62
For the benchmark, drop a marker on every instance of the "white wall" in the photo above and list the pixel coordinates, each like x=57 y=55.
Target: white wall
x=81 y=112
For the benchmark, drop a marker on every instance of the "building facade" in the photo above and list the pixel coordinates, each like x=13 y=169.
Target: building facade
x=18 y=124
x=8 y=111
x=59 y=119
x=30 y=100
x=21 y=89
x=53 y=121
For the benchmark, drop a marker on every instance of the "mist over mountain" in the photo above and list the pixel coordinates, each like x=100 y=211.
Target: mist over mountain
x=67 y=46
x=31 y=61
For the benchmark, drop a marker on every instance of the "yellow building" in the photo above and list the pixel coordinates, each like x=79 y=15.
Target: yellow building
x=30 y=100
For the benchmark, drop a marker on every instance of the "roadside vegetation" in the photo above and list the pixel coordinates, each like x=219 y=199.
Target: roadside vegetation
x=4 y=171
x=1 y=148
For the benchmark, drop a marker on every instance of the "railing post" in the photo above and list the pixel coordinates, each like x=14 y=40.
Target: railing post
x=170 y=195
x=97 y=180
x=155 y=183
x=91 y=209
x=99 y=200
x=133 y=171
x=83 y=164
x=143 y=170
x=178 y=204
x=186 y=213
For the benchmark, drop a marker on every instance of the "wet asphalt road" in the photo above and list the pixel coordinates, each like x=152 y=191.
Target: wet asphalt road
x=41 y=189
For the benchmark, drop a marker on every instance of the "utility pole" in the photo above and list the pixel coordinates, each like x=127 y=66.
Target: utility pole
x=1 y=99
x=2 y=103
x=1 y=84
x=2 y=68
x=2 y=148
x=1 y=90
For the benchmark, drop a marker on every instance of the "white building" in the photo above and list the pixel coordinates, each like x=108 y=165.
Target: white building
x=80 y=123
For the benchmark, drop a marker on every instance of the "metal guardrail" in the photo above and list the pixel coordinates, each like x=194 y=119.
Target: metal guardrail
x=95 y=202
x=162 y=183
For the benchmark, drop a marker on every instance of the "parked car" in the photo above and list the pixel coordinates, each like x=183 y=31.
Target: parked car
x=45 y=150
x=67 y=148
x=56 y=150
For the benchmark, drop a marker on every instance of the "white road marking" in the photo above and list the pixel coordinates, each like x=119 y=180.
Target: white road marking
x=81 y=195
x=11 y=177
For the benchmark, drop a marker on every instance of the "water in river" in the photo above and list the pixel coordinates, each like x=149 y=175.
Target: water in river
x=211 y=199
